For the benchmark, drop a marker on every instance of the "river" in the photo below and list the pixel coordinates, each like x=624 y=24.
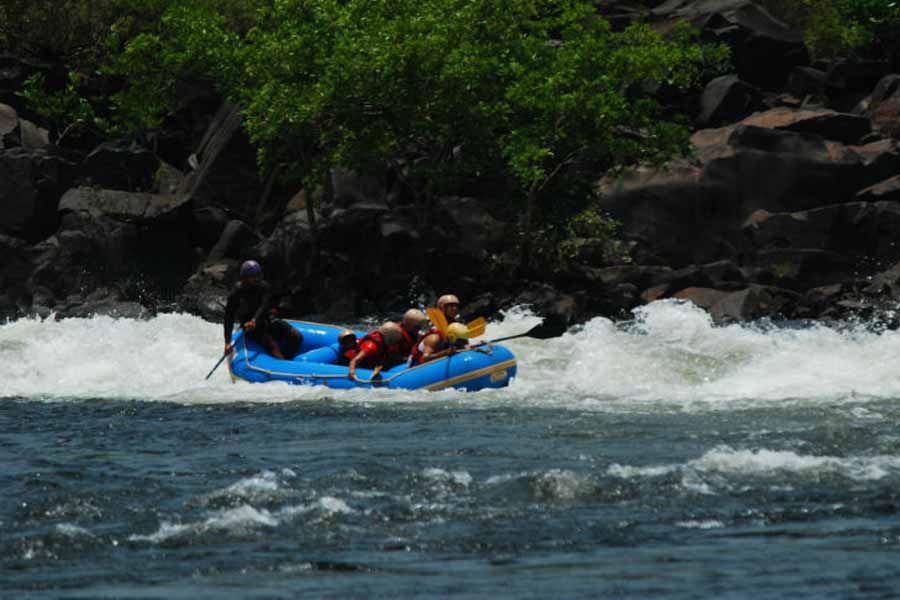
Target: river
x=664 y=457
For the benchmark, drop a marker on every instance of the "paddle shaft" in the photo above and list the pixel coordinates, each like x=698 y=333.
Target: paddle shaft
x=225 y=354
x=509 y=337
x=547 y=329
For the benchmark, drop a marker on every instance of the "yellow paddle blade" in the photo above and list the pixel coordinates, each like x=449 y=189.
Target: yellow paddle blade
x=438 y=319
x=476 y=327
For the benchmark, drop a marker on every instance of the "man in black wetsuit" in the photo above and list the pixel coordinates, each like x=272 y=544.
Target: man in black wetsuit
x=250 y=302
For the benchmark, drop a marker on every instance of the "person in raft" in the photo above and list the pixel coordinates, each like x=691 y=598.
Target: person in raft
x=449 y=305
x=348 y=347
x=250 y=303
x=379 y=348
x=434 y=345
x=411 y=329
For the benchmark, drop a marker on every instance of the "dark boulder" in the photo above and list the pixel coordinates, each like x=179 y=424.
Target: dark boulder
x=206 y=291
x=9 y=122
x=721 y=275
x=15 y=269
x=727 y=99
x=235 y=242
x=887 y=87
x=883 y=106
x=12 y=76
x=31 y=136
x=887 y=191
x=880 y=160
x=137 y=242
x=885 y=283
x=703 y=297
x=346 y=188
x=347 y=229
x=760 y=167
x=764 y=50
x=131 y=207
x=286 y=252
x=641 y=276
x=856 y=229
x=799 y=269
x=208 y=223
x=806 y=83
x=550 y=303
x=16 y=132
x=831 y=125
x=670 y=216
x=755 y=302
x=463 y=247
x=104 y=303
x=31 y=182
x=852 y=75
x=121 y=166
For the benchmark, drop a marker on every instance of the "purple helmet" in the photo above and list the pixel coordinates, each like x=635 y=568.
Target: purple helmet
x=250 y=268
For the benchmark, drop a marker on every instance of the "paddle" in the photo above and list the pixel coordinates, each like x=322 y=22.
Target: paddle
x=439 y=320
x=476 y=327
x=552 y=326
x=225 y=354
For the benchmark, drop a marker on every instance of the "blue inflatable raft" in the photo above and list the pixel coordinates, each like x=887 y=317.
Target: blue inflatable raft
x=470 y=370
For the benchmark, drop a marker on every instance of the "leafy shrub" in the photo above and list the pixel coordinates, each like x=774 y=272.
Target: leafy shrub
x=839 y=28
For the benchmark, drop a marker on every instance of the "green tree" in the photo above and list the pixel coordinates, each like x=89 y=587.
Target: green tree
x=461 y=89
x=442 y=91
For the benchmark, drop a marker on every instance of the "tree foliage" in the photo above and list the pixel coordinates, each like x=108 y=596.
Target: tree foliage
x=442 y=91
x=841 y=28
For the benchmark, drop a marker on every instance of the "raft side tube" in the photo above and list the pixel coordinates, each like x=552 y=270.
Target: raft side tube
x=469 y=370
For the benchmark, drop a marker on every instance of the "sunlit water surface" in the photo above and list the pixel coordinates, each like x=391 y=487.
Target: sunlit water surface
x=665 y=457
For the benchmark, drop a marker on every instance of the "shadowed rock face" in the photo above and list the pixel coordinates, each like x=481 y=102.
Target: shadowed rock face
x=788 y=205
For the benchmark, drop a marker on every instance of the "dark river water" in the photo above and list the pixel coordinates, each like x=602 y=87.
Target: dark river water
x=666 y=458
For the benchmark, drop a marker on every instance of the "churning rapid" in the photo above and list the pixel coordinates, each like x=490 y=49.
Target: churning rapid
x=663 y=457
x=670 y=354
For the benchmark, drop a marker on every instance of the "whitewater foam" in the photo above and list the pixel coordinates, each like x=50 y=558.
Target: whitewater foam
x=721 y=464
x=237 y=521
x=671 y=354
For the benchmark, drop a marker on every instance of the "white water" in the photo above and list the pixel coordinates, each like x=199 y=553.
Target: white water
x=671 y=354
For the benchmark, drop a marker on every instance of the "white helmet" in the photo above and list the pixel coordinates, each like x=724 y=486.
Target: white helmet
x=447 y=299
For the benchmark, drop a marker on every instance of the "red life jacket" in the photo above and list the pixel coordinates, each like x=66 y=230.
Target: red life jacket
x=440 y=333
x=379 y=353
x=408 y=342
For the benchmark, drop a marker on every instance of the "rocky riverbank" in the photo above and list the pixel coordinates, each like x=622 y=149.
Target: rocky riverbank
x=789 y=207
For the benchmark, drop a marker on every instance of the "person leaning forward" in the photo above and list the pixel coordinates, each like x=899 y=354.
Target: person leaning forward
x=378 y=348
x=411 y=330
